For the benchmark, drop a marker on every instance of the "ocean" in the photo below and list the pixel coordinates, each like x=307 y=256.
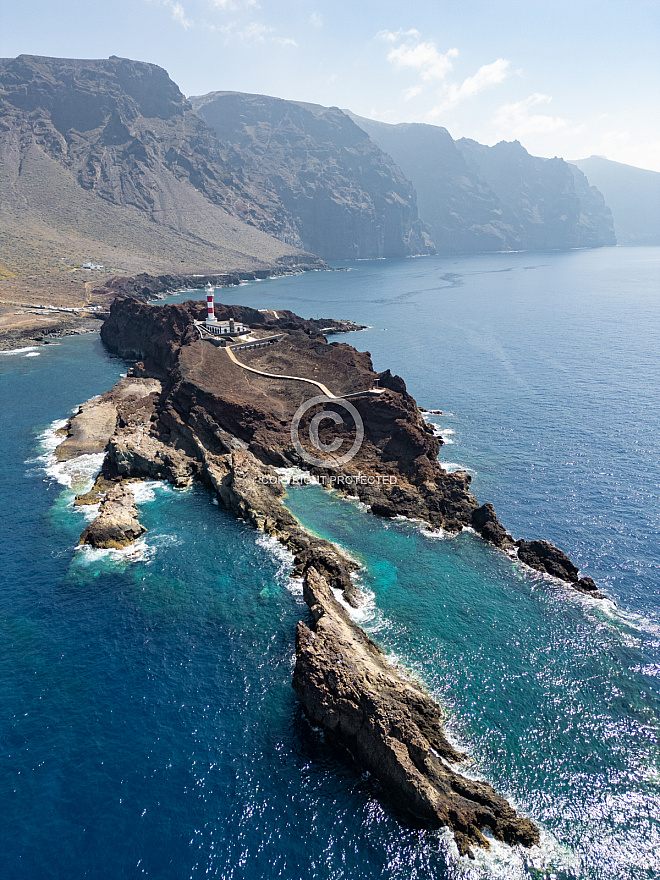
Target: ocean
x=148 y=725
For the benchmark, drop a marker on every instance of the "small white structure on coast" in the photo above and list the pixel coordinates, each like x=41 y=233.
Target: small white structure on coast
x=220 y=328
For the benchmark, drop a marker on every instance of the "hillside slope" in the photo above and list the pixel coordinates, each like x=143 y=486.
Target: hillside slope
x=334 y=191
x=106 y=161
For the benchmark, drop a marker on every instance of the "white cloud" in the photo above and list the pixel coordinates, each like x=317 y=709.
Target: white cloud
x=516 y=119
x=393 y=36
x=253 y=32
x=423 y=57
x=412 y=92
x=408 y=51
x=178 y=12
x=233 y=5
x=452 y=94
x=316 y=20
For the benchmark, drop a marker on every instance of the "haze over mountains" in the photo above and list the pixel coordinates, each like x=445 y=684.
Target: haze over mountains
x=107 y=160
x=479 y=198
x=632 y=193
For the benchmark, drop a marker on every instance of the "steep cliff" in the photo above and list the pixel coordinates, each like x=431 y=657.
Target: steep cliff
x=331 y=189
x=478 y=198
x=545 y=202
x=632 y=193
x=463 y=213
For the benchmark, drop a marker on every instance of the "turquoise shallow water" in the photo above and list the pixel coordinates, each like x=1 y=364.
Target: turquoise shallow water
x=148 y=725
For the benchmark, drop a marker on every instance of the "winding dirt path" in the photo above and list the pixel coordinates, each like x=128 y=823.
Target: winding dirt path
x=319 y=385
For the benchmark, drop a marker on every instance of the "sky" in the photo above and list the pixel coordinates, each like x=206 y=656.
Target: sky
x=570 y=79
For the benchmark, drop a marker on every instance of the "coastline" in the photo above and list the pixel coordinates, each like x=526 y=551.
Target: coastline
x=171 y=425
x=387 y=720
x=33 y=323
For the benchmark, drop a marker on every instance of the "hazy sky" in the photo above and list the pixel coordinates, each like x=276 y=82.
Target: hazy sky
x=565 y=78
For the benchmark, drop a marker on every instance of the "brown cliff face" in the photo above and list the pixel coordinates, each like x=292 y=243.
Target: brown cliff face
x=330 y=189
x=105 y=160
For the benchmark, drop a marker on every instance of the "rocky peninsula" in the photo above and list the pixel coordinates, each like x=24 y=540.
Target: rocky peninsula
x=188 y=410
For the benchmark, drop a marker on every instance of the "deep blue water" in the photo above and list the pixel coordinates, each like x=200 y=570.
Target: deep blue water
x=148 y=726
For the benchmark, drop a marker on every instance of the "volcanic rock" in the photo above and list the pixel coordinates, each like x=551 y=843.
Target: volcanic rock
x=392 y=726
x=117 y=524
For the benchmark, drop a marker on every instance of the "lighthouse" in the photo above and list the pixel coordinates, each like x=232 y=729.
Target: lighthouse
x=210 y=312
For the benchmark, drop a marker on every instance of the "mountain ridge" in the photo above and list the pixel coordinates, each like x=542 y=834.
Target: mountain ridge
x=336 y=193
x=85 y=170
x=479 y=198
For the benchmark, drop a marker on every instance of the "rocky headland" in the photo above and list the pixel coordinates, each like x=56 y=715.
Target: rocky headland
x=188 y=411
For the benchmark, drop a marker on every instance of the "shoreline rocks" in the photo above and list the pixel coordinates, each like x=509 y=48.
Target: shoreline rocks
x=117 y=525
x=546 y=558
x=392 y=726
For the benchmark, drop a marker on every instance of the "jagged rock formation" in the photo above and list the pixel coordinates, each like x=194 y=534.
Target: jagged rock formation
x=543 y=556
x=632 y=193
x=478 y=198
x=117 y=525
x=105 y=160
x=392 y=726
x=204 y=391
x=332 y=190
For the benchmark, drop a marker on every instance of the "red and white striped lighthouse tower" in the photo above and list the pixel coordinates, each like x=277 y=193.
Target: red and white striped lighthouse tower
x=210 y=311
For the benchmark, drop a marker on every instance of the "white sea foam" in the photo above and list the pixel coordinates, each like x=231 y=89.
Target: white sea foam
x=90 y=557
x=145 y=490
x=367 y=614
x=88 y=511
x=452 y=466
x=639 y=622
x=33 y=354
x=503 y=862
x=49 y=440
x=435 y=534
x=295 y=475
x=19 y=351
x=445 y=433
x=79 y=473
x=284 y=560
